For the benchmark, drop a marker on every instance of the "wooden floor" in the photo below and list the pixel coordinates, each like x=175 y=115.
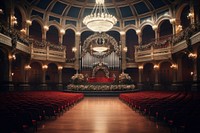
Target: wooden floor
x=101 y=115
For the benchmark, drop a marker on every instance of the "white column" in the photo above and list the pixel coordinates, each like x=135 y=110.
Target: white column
x=140 y=74
x=61 y=37
x=139 y=34
x=77 y=54
x=123 y=47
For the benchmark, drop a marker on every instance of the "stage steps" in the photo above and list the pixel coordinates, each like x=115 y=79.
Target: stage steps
x=102 y=93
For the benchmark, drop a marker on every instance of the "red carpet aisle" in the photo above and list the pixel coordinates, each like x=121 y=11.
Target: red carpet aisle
x=102 y=115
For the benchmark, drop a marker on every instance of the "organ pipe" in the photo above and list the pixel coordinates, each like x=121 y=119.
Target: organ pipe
x=112 y=61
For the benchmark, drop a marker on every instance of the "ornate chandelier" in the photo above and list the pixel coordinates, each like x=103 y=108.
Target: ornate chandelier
x=100 y=20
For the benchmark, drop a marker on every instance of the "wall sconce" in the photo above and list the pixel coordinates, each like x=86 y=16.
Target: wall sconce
x=44 y=67
x=46 y=28
x=60 y=67
x=138 y=31
x=27 y=67
x=23 y=31
x=78 y=33
x=62 y=31
x=172 y=20
x=74 y=49
x=190 y=15
x=191 y=73
x=155 y=27
x=155 y=66
x=122 y=33
x=191 y=55
x=140 y=67
x=28 y=22
x=13 y=20
x=125 y=49
x=173 y=66
x=179 y=27
x=12 y=57
x=1 y=11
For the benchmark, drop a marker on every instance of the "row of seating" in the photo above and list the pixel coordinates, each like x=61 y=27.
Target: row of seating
x=20 y=111
x=180 y=110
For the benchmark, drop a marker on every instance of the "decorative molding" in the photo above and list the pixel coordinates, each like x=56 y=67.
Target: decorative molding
x=5 y=40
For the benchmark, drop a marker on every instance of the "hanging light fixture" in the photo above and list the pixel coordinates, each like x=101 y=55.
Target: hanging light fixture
x=100 y=20
x=100 y=44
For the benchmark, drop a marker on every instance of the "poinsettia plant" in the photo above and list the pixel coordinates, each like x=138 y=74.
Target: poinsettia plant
x=77 y=78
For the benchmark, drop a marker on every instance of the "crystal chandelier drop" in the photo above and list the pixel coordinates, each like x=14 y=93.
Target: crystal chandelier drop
x=100 y=20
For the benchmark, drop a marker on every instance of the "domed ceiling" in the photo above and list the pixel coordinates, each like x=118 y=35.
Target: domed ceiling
x=129 y=10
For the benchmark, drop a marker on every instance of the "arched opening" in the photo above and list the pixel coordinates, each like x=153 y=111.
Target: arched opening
x=187 y=71
x=52 y=73
x=35 y=75
x=148 y=34
x=148 y=73
x=148 y=77
x=3 y=16
x=165 y=74
x=69 y=42
x=52 y=35
x=17 y=69
x=185 y=21
x=131 y=41
x=3 y=66
x=35 y=31
x=100 y=71
x=51 y=76
x=18 y=15
x=166 y=28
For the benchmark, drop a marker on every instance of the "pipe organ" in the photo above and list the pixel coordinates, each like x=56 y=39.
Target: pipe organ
x=112 y=61
x=100 y=48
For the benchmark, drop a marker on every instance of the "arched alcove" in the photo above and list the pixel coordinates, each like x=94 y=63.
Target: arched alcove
x=148 y=34
x=165 y=72
x=165 y=28
x=52 y=73
x=17 y=68
x=187 y=68
x=35 y=75
x=69 y=42
x=52 y=35
x=131 y=41
x=3 y=66
x=3 y=17
x=185 y=22
x=148 y=73
x=18 y=15
x=35 y=31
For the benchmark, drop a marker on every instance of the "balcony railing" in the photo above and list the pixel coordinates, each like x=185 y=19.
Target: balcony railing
x=47 y=51
x=41 y=50
x=159 y=50
x=162 y=48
